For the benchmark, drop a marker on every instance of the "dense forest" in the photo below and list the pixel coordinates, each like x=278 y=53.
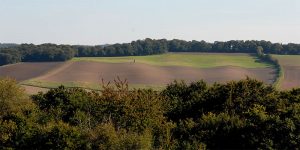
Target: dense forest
x=149 y=46
x=11 y=53
x=7 y=45
x=242 y=114
x=35 y=53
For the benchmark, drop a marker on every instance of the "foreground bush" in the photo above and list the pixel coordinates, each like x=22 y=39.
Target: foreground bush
x=244 y=114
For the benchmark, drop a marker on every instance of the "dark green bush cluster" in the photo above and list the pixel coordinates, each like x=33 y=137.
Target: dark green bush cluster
x=268 y=58
x=242 y=114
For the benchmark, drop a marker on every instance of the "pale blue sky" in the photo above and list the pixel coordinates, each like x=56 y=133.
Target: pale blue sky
x=111 y=21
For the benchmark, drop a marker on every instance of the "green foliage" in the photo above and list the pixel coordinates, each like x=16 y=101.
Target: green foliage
x=35 y=53
x=60 y=135
x=135 y=48
x=242 y=114
x=136 y=113
x=150 y=46
x=183 y=100
x=16 y=110
x=52 y=52
x=64 y=104
x=8 y=56
x=12 y=98
x=106 y=136
x=267 y=58
x=46 y=52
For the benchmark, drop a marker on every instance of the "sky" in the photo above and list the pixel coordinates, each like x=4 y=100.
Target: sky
x=94 y=22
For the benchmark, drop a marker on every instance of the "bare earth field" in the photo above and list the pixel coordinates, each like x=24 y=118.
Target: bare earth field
x=291 y=70
x=291 y=77
x=148 y=71
x=147 y=74
x=25 y=71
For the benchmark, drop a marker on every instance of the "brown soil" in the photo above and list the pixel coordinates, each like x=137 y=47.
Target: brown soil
x=25 y=71
x=137 y=73
x=291 y=77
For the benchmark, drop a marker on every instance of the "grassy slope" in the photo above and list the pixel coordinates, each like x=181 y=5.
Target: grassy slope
x=199 y=60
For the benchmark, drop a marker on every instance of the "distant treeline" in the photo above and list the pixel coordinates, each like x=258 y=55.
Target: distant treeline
x=7 y=45
x=11 y=53
x=36 y=53
x=150 y=46
x=135 y=48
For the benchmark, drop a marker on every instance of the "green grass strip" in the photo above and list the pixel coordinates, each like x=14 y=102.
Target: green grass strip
x=197 y=60
x=88 y=86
